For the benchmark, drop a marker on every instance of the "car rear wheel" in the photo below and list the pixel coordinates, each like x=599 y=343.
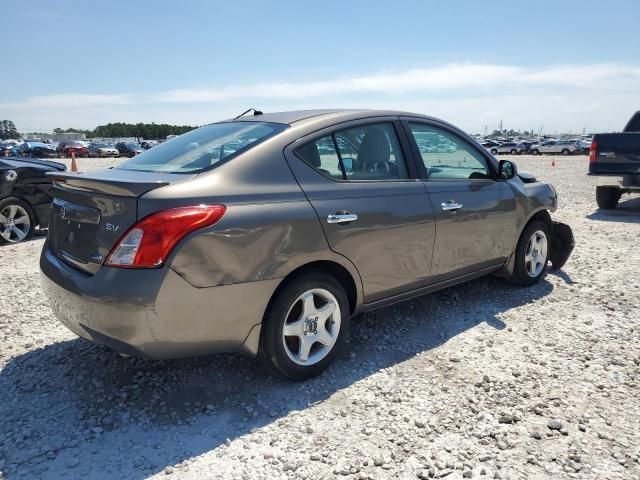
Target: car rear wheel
x=514 y=151
x=532 y=254
x=535 y=152
x=565 y=151
x=494 y=151
x=304 y=327
x=608 y=197
x=16 y=220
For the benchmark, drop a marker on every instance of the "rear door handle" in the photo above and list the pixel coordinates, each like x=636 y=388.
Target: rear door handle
x=341 y=217
x=451 y=205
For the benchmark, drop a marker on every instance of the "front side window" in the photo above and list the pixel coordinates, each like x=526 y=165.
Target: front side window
x=202 y=148
x=446 y=156
x=368 y=152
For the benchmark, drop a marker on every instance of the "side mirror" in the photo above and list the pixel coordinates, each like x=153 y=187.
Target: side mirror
x=507 y=169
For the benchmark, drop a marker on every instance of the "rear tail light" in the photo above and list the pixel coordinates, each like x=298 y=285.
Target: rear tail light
x=593 y=151
x=148 y=243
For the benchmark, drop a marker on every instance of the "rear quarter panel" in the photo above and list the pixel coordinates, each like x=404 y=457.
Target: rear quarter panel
x=268 y=230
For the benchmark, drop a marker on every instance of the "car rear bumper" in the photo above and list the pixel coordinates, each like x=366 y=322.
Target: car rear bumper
x=622 y=181
x=155 y=313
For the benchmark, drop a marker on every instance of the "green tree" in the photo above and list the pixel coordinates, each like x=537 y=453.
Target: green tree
x=8 y=130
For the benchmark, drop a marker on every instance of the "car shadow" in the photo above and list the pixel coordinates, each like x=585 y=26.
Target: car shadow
x=626 y=211
x=75 y=409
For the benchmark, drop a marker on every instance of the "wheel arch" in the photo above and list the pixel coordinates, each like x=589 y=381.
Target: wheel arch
x=541 y=214
x=330 y=267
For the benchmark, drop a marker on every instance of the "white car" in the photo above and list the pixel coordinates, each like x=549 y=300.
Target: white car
x=554 y=146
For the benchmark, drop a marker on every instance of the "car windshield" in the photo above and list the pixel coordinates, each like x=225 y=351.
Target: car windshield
x=102 y=145
x=203 y=148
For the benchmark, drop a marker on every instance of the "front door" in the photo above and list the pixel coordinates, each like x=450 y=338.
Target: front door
x=475 y=213
x=372 y=208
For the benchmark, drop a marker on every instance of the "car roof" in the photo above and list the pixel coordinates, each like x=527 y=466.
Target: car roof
x=289 y=118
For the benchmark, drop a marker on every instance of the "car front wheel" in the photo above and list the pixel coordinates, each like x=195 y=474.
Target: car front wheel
x=16 y=220
x=494 y=151
x=304 y=327
x=535 y=152
x=532 y=254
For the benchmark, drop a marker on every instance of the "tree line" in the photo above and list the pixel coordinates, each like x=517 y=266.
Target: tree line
x=139 y=130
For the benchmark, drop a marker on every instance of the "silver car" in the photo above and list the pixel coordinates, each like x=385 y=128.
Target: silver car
x=510 y=147
x=265 y=234
x=102 y=150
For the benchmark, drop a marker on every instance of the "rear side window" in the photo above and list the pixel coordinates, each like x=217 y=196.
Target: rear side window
x=203 y=148
x=369 y=152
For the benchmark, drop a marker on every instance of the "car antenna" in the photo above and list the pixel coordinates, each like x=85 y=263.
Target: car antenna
x=255 y=113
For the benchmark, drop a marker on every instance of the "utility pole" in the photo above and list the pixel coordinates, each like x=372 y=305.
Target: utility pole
x=500 y=127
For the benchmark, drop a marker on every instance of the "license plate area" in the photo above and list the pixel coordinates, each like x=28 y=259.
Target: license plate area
x=73 y=230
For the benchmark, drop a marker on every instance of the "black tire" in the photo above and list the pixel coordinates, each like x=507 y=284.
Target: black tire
x=607 y=198
x=520 y=276
x=514 y=151
x=565 y=151
x=32 y=219
x=494 y=151
x=272 y=350
x=535 y=151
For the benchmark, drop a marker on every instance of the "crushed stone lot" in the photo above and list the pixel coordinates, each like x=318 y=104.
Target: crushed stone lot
x=484 y=380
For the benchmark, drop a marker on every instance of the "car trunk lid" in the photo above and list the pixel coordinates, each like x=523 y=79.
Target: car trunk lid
x=91 y=211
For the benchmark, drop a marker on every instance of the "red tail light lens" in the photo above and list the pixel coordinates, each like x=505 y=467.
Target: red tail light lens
x=593 y=151
x=147 y=244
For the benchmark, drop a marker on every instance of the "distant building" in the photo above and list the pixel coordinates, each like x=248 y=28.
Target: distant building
x=56 y=137
x=62 y=137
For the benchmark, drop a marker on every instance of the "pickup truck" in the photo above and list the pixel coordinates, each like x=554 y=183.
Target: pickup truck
x=614 y=163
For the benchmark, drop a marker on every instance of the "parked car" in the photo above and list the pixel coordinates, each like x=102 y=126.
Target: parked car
x=243 y=236
x=509 y=147
x=7 y=149
x=488 y=144
x=129 y=149
x=554 y=146
x=102 y=150
x=147 y=144
x=25 y=202
x=36 y=150
x=614 y=163
x=65 y=149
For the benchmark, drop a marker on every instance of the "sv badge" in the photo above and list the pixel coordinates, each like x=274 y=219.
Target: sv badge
x=110 y=227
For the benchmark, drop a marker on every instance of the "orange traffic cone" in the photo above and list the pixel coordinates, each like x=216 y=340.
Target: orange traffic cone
x=74 y=164
x=553 y=162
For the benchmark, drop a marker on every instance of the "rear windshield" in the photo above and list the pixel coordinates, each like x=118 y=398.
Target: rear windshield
x=203 y=148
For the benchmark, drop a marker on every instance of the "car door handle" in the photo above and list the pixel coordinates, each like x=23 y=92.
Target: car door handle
x=341 y=217
x=451 y=205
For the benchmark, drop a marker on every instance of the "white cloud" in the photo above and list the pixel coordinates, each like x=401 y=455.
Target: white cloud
x=562 y=97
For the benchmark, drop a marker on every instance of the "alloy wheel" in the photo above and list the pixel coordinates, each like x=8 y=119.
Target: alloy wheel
x=15 y=223
x=535 y=257
x=312 y=327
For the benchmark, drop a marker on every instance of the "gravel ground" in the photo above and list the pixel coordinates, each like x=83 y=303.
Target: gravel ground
x=484 y=380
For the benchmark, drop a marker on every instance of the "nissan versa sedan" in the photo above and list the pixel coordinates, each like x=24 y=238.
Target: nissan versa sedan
x=265 y=234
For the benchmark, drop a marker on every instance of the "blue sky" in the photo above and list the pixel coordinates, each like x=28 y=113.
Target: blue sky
x=563 y=64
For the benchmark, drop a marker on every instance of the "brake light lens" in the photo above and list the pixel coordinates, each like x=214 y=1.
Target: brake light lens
x=148 y=243
x=593 y=151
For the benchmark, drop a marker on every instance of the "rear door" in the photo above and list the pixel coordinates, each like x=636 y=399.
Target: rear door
x=373 y=209
x=475 y=213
